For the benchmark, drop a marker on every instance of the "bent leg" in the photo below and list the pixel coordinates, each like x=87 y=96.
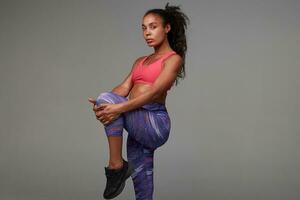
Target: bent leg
x=149 y=125
x=115 y=128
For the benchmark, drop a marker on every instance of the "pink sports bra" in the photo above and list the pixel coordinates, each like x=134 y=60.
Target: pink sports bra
x=148 y=73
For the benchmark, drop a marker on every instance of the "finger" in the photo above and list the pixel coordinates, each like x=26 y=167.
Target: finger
x=100 y=113
x=111 y=118
x=95 y=108
x=92 y=100
x=108 y=122
x=102 y=120
x=103 y=117
x=99 y=118
x=103 y=105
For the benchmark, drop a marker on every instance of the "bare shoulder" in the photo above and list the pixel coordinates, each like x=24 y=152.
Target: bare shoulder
x=174 y=61
x=138 y=60
x=174 y=58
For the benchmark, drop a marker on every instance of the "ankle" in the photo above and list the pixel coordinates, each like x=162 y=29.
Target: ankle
x=115 y=164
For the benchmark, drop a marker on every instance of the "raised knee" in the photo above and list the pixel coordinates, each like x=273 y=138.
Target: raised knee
x=110 y=97
x=104 y=97
x=104 y=94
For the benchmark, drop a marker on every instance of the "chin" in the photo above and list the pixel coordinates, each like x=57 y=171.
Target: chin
x=152 y=45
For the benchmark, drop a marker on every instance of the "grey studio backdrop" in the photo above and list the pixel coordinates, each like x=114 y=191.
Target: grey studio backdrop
x=235 y=118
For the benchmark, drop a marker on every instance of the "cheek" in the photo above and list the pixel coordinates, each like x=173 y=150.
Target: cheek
x=159 y=35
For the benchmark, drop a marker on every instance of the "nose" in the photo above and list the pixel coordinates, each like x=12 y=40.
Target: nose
x=146 y=32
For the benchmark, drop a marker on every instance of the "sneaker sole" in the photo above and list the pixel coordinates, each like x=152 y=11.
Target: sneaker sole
x=122 y=186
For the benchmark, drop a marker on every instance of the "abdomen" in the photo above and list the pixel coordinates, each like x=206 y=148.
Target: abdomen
x=140 y=88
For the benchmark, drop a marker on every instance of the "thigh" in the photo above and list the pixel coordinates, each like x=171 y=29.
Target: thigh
x=150 y=128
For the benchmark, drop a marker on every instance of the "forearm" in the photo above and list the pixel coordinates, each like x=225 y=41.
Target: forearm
x=139 y=101
x=122 y=91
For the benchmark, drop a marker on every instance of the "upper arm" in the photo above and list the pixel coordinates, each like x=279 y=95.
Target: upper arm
x=127 y=83
x=168 y=74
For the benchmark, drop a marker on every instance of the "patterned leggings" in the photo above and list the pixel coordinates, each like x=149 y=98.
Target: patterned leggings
x=148 y=128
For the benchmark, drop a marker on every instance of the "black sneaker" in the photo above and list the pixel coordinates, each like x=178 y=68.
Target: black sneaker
x=116 y=179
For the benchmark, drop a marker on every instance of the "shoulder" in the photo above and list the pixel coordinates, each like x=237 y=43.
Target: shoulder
x=137 y=61
x=174 y=60
x=174 y=57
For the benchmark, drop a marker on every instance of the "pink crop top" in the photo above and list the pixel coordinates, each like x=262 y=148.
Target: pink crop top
x=148 y=73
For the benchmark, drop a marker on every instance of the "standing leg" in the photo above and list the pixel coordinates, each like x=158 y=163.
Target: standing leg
x=148 y=129
x=142 y=160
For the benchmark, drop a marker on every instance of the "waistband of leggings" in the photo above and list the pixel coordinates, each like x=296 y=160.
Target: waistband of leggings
x=155 y=106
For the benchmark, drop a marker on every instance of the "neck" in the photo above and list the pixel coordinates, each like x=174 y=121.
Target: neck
x=163 y=47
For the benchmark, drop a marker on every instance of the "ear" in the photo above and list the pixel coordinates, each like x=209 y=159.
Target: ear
x=167 y=28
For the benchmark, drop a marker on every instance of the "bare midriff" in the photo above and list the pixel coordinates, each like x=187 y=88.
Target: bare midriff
x=140 y=88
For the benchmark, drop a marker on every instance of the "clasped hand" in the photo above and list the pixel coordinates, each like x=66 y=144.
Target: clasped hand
x=106 y=112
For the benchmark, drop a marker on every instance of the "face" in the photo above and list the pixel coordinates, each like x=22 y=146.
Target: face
x=153 y=31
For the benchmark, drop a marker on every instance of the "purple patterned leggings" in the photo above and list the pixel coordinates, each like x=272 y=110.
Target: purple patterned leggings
x=148 y=128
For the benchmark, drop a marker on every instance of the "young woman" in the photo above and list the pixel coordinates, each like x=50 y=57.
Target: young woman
x=143 y=114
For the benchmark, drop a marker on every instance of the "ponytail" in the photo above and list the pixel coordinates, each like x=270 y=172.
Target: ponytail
x=176 y=36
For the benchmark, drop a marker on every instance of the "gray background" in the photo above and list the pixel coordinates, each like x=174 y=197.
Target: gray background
x=235 y=118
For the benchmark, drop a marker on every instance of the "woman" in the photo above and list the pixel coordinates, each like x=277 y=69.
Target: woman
x=143 y=114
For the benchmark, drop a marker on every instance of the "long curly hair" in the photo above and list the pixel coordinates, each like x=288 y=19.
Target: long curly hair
x=176 y=36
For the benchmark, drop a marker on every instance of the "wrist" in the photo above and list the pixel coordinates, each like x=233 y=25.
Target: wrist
x=121 y=108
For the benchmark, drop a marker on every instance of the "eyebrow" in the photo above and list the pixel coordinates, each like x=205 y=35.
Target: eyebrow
x=150 y=23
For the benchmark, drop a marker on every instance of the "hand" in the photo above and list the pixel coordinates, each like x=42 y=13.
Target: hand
x=109 y=112
x=95 y=109
x=106 y=112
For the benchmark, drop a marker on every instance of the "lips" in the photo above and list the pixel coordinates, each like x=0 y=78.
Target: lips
x=149 y=40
